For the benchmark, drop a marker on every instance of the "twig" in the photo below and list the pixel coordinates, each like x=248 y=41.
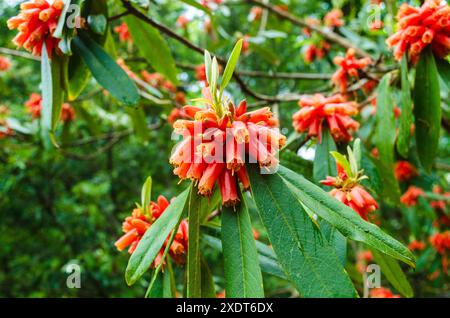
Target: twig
x=17 y=53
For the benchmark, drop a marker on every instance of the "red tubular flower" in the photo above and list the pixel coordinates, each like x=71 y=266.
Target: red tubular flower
x=200 y=73
x=416 y=245
x=5 y=64
x=334 y=111
x=310 y=53
x=34 y=105
x=420 y=27
x=382 y=293
x=409 y=198
x=182 y=22
x=138 y=223
x=349 y=67
x=215 y=148
x=351 y=193
x=123 y=32
x=441 y=242
x=440 y=204
x=334 y=18
x=255 y=13
x=36 y=23
x=404 y=171
x=67 y=113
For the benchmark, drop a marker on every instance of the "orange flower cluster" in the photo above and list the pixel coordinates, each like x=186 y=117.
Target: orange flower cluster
x=439 y=205
x=123 y=32
x=182 y=22
x=36 y=23
x=421 y=27
x=334 y=18
x=215 y=148
x=335 y=110
x=349 y=67
x=441 y=242
x=34 y=107
x=200 y=73
x=176 y=114
x=138 y=223
x=416 y=245
x=255 y=13
x=409 y=198
x=5 y=64
x=313 y=52
x=404 y=171
x=158 y=80
x=350 y=193
x=382 y=292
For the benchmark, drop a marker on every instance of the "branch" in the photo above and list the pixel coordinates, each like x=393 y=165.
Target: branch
x=329 y=35
x=16 y=53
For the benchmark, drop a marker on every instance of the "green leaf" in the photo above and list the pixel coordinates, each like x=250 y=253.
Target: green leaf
x=243 y=277
x=231 y=65
x=152 y=241
x=105 y=70
x=153 y=47
x=336 y=239
x=52 y=91
x=324 y=164
x=139 y=121
x=393 y=272
x=385 y=140
x=208 y=289
x=406 y=116
x=308 y=260
x=343 y=162
x=343 y=218
x=146 y=193
x=157 y=289
x=427 y=109
x=194 y=282
x=208 y=66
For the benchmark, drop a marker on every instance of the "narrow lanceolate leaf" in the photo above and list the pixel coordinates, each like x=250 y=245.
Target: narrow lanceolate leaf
x=194 y=278
x=146 y=193
x=343 y=218
x=208 y=289
x=393 y=273
x=105 y=70
x=153 y=240
x=427 y=108
x=52 y=91
x=308 y=260
x=324 y=164
x=243 y=277
x=385 y=140
x=336 y=240
x=406 y=116
x=153 y=47
x=231 y=65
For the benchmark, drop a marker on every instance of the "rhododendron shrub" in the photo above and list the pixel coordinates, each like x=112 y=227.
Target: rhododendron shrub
x=302 y=148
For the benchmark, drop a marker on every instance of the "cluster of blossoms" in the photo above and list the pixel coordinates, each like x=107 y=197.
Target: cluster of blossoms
x=335 y=111
x=182 y=22
x=123 y=32
x=349 y=67
x=421 y=27
x=382 y=292
x=410 y=197
x=5 y=64
x=416 y=245
x=351 y=193
x=36 y=23
x=404 y=171
x=34 y=107
x=334 y=18
x=139 y=222
x=440 y=204
x=217 y=142
x=441 y=243
x=313 y=52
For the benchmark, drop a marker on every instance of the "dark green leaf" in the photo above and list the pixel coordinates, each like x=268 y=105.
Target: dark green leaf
x=406 y=116
x=343 y=218
x=152 y=241
x=105 y=70
x=427 y=109
x=243 y=277
x=393 y=273
x=307 y=258
x=336 y=239
x=324 y=163
x=194 y=282
x=208 y=289
x=231 y=65
x=385 y=140
x=153 y=47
